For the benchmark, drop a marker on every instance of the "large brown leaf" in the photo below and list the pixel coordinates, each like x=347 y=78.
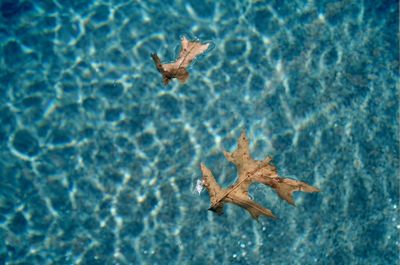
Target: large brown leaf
x=250 y=171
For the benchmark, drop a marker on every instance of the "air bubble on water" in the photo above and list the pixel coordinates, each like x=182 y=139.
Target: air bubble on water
x=198 y=187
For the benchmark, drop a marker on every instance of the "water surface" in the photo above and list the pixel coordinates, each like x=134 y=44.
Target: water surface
x=98 y=159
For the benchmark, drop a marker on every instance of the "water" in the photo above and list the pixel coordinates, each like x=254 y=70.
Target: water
x=99 y=160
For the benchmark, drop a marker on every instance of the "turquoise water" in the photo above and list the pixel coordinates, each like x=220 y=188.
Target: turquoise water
x=99 y=160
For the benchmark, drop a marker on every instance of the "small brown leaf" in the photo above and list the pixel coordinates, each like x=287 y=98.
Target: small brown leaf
x=250 y=171
x=178 y=69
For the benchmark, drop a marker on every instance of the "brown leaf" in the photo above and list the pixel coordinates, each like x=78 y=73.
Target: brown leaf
x=178 y=69
x=250 y=171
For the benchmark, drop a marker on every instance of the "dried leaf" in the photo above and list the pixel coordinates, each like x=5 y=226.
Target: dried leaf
x=189 y=51
x=250 y=171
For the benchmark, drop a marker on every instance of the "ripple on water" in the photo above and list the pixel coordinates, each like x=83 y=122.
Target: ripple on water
x=132 y=229
x=92 y=106
x=61 y=136
x=100 y=14
x=11 y=9
x=61 y=160
x=111 y=91
x=257 y=86
x=265 y=22
x=18 y=223
x=203 y=9
x=25 y=143
x=127 y=249
x=235 y=48
x=8 y=122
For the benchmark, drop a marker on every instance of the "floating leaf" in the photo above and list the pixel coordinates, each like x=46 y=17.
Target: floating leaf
x=250 y=171
x=189 y=51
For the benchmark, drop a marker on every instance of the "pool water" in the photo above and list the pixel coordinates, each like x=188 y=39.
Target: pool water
x=99 y=160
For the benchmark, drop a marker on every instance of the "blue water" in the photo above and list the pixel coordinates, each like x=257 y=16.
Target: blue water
x=98 y=159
